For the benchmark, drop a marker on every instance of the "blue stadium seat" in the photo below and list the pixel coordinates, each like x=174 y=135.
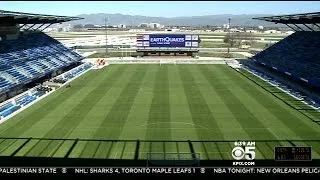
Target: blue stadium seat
x=26 y=51
x=297 y=54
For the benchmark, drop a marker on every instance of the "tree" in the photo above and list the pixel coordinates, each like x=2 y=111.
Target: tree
x=78 y=26
x=88 y=26
x=247 y=38
x=239 y=38
x=229 y=40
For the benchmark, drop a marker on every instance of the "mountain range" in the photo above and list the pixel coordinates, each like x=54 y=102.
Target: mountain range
x=212 y=20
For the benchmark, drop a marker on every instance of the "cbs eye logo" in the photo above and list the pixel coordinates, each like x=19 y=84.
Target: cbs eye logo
x=238 y=153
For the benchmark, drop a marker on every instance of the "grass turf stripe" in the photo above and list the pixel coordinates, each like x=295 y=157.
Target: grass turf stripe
x=159 y=114
x=289 y=118
x=77 y=114
x=245 y=118
x=24 y=151
x=118 y=114
x=13 y=147
x=63 y=149
x=200 y=112
x=25 y=120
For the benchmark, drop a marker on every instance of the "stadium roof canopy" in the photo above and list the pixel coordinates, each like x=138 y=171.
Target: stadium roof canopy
x=29 y=18
x=296 y=19
x=308 y=18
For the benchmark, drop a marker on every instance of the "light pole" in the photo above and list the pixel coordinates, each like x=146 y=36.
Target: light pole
x=229 y=35
x=106 y=29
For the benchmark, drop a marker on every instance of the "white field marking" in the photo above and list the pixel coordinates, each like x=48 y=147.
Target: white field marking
x=171 y=123
x=200 y=127
x=225 y=129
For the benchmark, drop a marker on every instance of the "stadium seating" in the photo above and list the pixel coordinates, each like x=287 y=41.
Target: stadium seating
x=31 y=56
x=22 y=100
x=8 y=111
x=44 y=89
x=6 y=106
x=297 y=55
x=27 y=98
x=61 y=81
x=75 y=72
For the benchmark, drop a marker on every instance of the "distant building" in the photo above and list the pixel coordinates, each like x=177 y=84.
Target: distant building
x=272 y=31
x=172 y=30
x=235 y=30
x=226 y=26
x=155 y=26
x=67 y=28
x=151 y=25
x=144 y=25
x=289 y=32
x=251 y=31
x=260 y=27
x=122 y=26
x=137 y=30
x=219 y=31
x=47 y=30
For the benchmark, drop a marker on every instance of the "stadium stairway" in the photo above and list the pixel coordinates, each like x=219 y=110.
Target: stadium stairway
x=36 y=68
x=22 y=71
x=9 y=77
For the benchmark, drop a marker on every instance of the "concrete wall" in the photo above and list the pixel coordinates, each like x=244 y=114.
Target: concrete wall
x=9 y=31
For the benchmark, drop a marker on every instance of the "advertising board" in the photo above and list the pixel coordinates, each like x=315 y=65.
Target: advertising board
x=168 y=40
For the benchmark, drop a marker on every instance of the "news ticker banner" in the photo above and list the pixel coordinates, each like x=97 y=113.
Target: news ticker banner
x=160 y=170
x=168 y=40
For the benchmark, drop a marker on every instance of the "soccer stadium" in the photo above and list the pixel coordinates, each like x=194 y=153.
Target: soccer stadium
x=59 y=106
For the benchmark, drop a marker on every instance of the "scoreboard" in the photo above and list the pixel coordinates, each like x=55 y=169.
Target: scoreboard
x=292 y=154
x=168 y=40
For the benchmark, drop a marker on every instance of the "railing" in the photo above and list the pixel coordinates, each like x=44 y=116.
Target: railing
x=137 y=149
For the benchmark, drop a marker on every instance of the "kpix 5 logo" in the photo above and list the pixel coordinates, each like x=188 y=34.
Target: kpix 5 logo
x=244 y=150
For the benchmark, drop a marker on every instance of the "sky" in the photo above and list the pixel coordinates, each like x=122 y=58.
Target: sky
x=161 y=8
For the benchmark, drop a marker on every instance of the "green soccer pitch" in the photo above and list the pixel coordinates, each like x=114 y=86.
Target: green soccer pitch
x=162 y=109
